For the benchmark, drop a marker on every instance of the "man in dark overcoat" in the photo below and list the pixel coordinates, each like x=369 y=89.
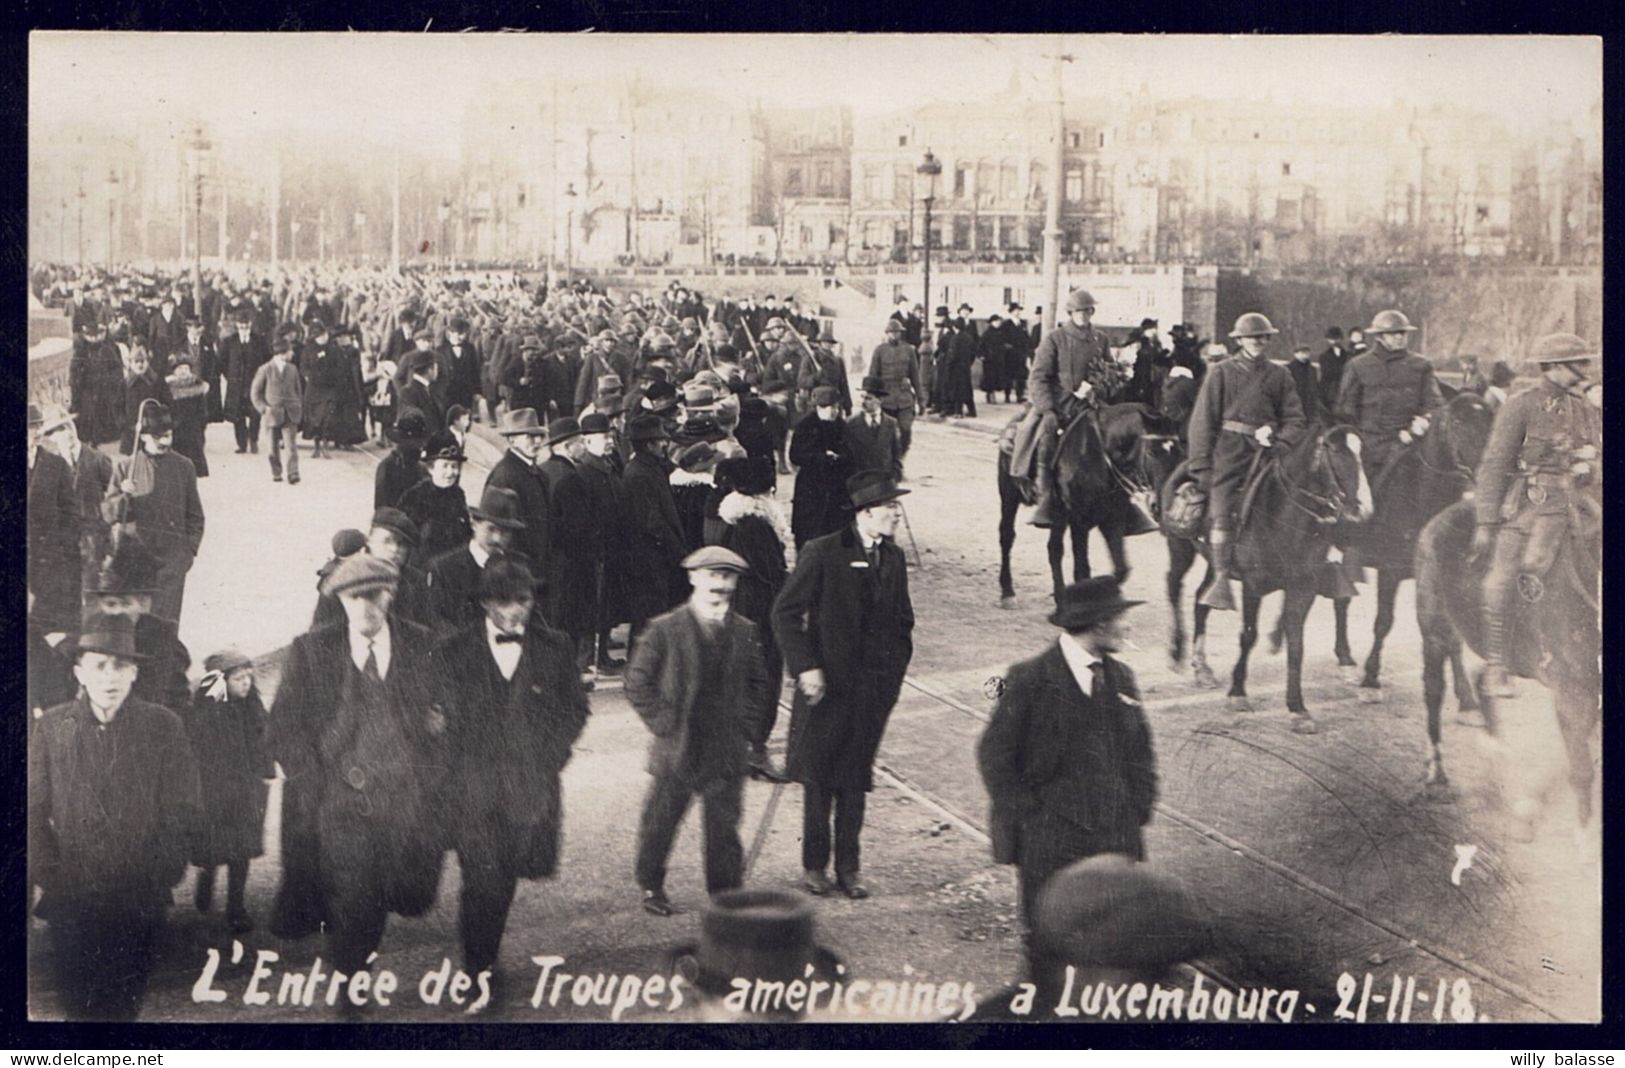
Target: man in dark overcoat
x=402 y=467
x=696 y=678
x=359 y=731
x=96 y=386
x=823 y=458
x=655 y=545
x=574 y=533
x=419 y=373
x=601 y=470
x=242 y=353
x=519 y=471
x=53 y=532
x=1067 y=754
x=169 y=519
x=112 y=799
x=454 y=577
x=845 y=624
x=460 y=367
x=515 y=708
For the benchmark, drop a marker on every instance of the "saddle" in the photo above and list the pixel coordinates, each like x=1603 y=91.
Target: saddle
x=1183 y=502
x=1023 y=449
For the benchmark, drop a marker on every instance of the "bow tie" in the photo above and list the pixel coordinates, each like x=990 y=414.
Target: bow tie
x=505 y=639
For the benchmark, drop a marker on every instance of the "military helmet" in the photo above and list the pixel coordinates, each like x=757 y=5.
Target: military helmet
x=1079 y=299
x=1253 y=324
x=1561 y=348
x=1391 y=321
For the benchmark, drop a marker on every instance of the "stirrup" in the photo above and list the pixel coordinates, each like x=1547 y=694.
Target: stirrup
x=1217 y=596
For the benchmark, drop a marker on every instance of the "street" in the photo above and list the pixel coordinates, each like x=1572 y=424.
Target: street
x=1316 y=857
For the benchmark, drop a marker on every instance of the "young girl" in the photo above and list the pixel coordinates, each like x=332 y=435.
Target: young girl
x=226 y=725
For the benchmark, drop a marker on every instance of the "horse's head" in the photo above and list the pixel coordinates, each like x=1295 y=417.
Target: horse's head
x=1341 y=475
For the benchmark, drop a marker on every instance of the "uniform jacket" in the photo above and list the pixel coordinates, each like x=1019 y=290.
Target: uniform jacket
x=110 y=809
x=573 y=538
x=1058 y=762
x=1066 y=357
x=855 y=622
x=278 y=394
x=169 y=520
x=899 y=365
x=53 y=540
x=875 y=448
x=1525 y=470
x=239 y=361
x=820 y=501
x=1254 y=392
x=663 y=683
x=1382 y=392
x=655 y=543
x=508 y=741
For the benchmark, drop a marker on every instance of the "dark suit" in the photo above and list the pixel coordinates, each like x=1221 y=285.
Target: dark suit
x=169 y=521
x=53 y=541
x=361 y=835
x=696 y=694
x=453 y=580
x=655 y=579
x=875 y=448
x=240 y=361
x=573 y=536
x=514 y=472
x=1069 y=775
x=508 y=741
x=853 y=619
x=413 y=394
x=459 y=380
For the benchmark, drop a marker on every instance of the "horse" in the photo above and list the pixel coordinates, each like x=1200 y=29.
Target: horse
x=1100 y=470
x=1421 y=481
x=1553 y=635
x=1283 y=544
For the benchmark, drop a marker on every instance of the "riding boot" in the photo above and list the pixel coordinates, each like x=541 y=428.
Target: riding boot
x=1494 y=681
x=1218 y=591
x=1044 y=514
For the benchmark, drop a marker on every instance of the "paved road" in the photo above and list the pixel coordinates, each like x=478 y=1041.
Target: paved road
x=1316 y=856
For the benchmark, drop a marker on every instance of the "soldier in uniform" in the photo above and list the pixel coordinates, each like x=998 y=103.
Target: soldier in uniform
x=1389 y=394
x=1072 y=363
x=1542 y=454
x=897 y=364
x=1245 y=402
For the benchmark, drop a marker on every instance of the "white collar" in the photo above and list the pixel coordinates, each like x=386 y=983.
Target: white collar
x=1080 y=661
x=481 y=557
x=381 y=647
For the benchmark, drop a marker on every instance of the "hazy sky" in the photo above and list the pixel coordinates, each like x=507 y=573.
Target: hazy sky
x=419 y=84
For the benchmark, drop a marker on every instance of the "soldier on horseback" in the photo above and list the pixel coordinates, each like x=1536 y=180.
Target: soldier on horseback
x=1072 y=367
x=1245 y=403
x=1542 y=455
x=1389 y=394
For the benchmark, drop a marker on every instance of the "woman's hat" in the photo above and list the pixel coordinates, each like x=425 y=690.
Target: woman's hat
x=869 y=488
x=226 y=661
x=442 y=446
x=754 y=935
x=411 y=427
x=500 y=506
x=131 y=569
x=107 y=634
x=1083 y=604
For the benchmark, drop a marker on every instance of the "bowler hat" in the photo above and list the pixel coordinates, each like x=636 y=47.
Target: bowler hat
x=1083 y=604
x=869 y=488
x=874 y=385
x=595 y=423
x=647 y=428
x=499 y=505
x=442 y=446
x=522 y=421
x=562 y=429
x=714 y=557
x=361 y=573
x=130 y=569
x=397 y=523
x=458 y=325
x=154 y=418
x=824 y=396
x=411 y=427
x=1109 y=911
x=107 y=634
x=755 y=936
x=417 y=360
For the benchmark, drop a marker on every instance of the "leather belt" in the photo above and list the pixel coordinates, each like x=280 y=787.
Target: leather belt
x=1235 y=426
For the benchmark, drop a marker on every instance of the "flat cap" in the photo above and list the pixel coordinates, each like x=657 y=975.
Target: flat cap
x=715 y=557
x=361 y=573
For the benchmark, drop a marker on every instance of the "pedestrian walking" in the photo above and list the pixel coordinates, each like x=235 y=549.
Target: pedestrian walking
x=153 y=495
x=823 y=462
x=278 y=394
x=437 y=504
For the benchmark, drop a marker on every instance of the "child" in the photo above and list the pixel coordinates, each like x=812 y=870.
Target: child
x=458 y=420
x=226 y=725
x=378 y=377
x=346 y=543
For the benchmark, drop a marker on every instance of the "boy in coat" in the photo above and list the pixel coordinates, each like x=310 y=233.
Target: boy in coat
x=515 y=708
x=1067 y=754
x=845 y=623
x=696 y=679
x=278 y=394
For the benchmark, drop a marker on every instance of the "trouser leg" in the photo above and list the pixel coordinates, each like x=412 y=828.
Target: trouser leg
x=663 y=809
x=487 y=896
x=276 y=451
x=290 y=434
x=102 y=961
x=905 y=428
x=721 y=807
x=236 y=887
x=1498 y=583
x=849 y=809
x=773 y=661
x=356 y=918
x=815 y=810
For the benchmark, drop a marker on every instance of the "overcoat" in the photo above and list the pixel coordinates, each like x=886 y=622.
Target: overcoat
x=359 y=808
x=396 y=473
x=169 y=521
x=240 y=361
x=875 y=448
x=819 y=505
x=656 y=547
x=514 y=472
x=571 y=585
x=137 y=390
x=228 y=746
x=1380 y=393
x=415 y=395
x=608 y=502
x=508 y=741
x=854 y=622
x=53 y=541
x=441 y=515
x=96 y=391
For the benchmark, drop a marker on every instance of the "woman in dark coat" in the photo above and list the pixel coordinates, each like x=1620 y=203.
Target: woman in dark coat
x=141 y=384
x=655 y=543
x=226 y=725
x=820 y=452
x=190 y=409
x=692 y=485
x=327 y=377
x=753 y=433
x=437 y=504
x=96 y=384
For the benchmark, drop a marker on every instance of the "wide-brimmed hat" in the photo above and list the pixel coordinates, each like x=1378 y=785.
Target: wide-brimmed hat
x=755 y=936
x=869 y=488
x=442 y=445
x=647 y=428
x=52 y=417
x=411 y=427
x=499 y=505
x=1083 y=604
x=523 y=421
x=1110 y=911
x=562 y=429
x=874 y=385
x=361 y=573
x=111 y=635
x=131 y=569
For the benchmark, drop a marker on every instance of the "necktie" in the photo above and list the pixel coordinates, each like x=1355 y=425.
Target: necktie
x=370 y=668
x=1097 y=679
x=873 y=553
x=506 y=639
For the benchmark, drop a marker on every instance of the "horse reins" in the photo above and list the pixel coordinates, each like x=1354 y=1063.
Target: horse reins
x=1333 y=501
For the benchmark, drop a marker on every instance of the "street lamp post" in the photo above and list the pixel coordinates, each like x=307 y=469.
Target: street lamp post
x=569 y=227
x=112 y=193
x=81 y=229
x=199 y=145
x=445 y=214
x=930 y=168
x=62 y=230
x=293 y=242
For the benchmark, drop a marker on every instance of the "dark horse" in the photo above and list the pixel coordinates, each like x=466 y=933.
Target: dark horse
x=1423 y=480
x=1282 y=545
x=1102 y=466
x=1554 y=633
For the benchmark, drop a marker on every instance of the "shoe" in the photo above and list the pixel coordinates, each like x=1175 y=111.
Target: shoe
x=587 y=683
x=816 y=883
x=276 y=476
x=852 y=886
x=609 y=665
x=656 y=903
x=254 y=447
x=293 y=480
x=241 y=449
x=239 y=921
x=203 y=896
x=762 y=768
x=1494 y=682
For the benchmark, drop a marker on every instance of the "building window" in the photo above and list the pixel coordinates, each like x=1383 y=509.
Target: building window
x=826 y=180
x=1074 y=140
x=1007 y=181
x=899 y=235
x=871 y=182
x=1036 y=183
x=806 y=236
x=902 y=180
x=961 y=232
x=1100 y=139
x=1074 y=186
x=871 y=234
x=792 y=182
x=963 y=179
x=1286 y=170
x=902 y=140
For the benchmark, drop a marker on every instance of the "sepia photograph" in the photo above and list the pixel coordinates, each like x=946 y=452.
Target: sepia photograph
x=617 y=529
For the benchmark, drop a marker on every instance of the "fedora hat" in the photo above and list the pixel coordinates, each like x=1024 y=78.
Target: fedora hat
x=874 y=385
x=595 y=423
x=500 y=506
x=563 y=429
x=411 y=427
x=1083 y=604
x=52 y=418
x=523 y=421
x=869 y=488
x=752 y=935
x=131 y=569
x=612 y=405
x=647 y=428
x=107 y=634
x=397 y=523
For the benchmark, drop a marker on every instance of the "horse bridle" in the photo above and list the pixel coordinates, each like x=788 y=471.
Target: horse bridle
x=1333 y=502
x=1460 y=470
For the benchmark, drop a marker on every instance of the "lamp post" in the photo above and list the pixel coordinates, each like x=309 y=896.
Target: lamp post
x=293 y=243
x=112 y=194
x=930 y=168
x=81 y=228
x=198 y=146
x=62 y=230
x=569 y=226
x=445 y=214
